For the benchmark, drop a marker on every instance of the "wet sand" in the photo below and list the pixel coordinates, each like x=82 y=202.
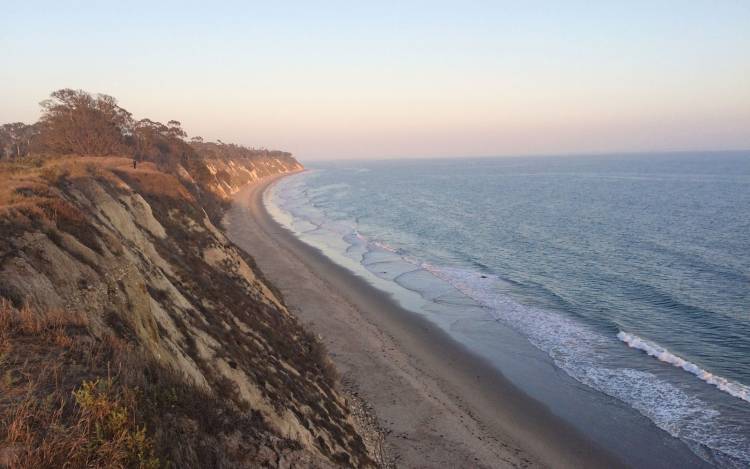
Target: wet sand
x=438 y=404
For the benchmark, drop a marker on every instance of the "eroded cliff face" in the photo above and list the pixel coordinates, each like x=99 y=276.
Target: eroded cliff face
x=134 y=251
x=228 y=176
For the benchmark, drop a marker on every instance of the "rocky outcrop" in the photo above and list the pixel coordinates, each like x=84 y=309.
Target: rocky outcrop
x=134 y=251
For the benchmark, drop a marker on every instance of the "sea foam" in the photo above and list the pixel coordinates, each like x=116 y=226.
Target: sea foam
x=662 y=354
x=570 y=343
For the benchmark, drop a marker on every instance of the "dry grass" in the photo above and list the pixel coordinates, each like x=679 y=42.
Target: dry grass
x=19 y=181
x=50 y=326
x=147 y=180
x=33 y=195
x=54 y=411
x=68 y=218
x=69 y=399
x=98 y=431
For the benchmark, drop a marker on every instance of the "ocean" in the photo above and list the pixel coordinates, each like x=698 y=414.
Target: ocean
x=614 y=289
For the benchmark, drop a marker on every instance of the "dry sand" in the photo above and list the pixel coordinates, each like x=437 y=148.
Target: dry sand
x=438 y=404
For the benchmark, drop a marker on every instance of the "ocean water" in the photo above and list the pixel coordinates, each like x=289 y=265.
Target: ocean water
x=615 y=289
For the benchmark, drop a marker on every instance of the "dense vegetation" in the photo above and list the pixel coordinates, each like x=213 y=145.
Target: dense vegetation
x=75 y=122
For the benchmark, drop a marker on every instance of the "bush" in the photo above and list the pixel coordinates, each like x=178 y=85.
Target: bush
x=107 y=418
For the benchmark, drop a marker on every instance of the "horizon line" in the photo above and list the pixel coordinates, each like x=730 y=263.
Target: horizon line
x=531 y=155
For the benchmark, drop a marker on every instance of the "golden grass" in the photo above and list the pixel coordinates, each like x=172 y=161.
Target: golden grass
x=70 y=399
x=45 y=423
x=27 y=322
x=33 y=195
x=154 y=182
x=24 y=186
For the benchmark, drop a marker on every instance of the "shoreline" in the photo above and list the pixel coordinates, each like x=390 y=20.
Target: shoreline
x=438 y=403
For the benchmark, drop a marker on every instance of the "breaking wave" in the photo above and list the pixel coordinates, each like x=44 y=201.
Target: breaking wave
x=584 y=352
x=655 y=350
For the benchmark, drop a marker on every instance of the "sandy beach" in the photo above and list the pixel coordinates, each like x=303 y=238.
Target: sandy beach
x=438 y=404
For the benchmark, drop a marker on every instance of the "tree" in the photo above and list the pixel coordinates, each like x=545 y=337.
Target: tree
x=163 y=144
x=77 y=122
x=16 y=139
x=74 y=121
x=175 y=130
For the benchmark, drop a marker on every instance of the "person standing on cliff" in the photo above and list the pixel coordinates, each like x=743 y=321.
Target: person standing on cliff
x=135 y=163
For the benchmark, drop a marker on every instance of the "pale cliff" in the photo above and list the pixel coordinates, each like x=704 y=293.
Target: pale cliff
x=135 y=256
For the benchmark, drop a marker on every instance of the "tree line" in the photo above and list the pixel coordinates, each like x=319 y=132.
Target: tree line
x=75 y=122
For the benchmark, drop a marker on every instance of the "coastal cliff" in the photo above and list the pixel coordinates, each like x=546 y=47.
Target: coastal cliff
x=133 y=333
x=231 y=167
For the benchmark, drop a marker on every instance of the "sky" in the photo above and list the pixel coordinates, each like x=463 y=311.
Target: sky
x=333 y=80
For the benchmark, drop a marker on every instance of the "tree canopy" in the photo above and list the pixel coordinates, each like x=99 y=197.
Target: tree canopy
x=76 y=122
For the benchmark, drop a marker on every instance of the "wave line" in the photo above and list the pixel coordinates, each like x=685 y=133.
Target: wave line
x=655 y=350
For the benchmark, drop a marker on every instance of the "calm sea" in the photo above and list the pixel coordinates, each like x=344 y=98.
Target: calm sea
x=615 y=289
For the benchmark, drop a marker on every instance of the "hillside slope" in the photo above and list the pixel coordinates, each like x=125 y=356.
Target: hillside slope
x=96 y=253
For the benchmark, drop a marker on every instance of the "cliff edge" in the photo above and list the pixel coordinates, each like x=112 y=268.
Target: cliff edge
x=134 y=334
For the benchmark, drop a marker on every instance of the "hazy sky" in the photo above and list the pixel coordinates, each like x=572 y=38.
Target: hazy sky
x=384 y=79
